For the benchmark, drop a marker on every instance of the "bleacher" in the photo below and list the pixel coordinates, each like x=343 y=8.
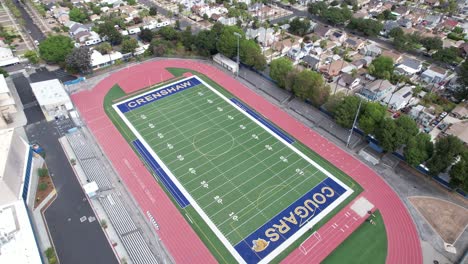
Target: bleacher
x=130 y=235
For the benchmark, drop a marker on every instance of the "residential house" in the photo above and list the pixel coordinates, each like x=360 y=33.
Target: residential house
x=338 y=36
x=431 y=21
x=370 y=50
x=61 y=14
x=263 y=36
x=255 y=7
x=376 y=90
x=398 y=99
x=322 y=31
x=362 y=63
x=396 y=56
x=404 y=22
x=295 y=54
x=312 y=62
x=94 y=17
x=98 y=60
x=362 y=2
x=361 y=14
x=349 y=81
x=434 y=74
x=334 y=68
x=134 y=30
x=353 y=43
x=285 y=45
x=401 y=11
x=409 y=67
x=77 y=28
x=81 y=36
x=449 y=24
x=420 y=114
x=230 y=21
x=93 y=39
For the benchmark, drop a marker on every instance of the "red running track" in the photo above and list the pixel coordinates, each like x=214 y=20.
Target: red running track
x=180 y=239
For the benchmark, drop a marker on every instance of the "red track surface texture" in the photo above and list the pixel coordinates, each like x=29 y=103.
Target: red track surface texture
x=180 y=239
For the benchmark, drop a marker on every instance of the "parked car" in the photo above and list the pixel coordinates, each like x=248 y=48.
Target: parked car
x=442 y=126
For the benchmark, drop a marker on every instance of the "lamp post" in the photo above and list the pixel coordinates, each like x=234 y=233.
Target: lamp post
x=354 y=123
x=238 y=63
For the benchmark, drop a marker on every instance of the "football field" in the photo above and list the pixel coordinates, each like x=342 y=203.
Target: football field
x=245 y=178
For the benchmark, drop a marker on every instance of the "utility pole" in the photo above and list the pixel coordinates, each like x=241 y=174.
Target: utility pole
x=238 y=63
x=354 y=123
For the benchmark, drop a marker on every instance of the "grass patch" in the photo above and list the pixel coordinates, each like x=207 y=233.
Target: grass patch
x=368 y=244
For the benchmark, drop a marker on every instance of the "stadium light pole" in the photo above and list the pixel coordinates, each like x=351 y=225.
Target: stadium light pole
x=354 y=123
x=238 y=64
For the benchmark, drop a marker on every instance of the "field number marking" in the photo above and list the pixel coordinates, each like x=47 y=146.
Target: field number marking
x=160 y=135
x=151 y=125
x=204 y=184
x=230 y=117
x=255 y=136
x=143 y=116
x=268 y=147
x=283 y=159
x=218 y=199
x=192 y=170
x=242 y=127
x=233 y=216
x=180 y=157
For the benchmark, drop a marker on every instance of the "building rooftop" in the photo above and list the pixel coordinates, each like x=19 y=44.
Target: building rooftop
x=3 y=85
x=49 y=92
x=459 y=130
x=19 y=244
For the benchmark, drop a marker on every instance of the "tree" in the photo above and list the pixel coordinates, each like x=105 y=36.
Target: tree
x=303 y=83
x=153 y=11
x=56 y=48
x=104 y=48
x=79 y=60
x=446 y=150
x=386 y=135
x=317 y=8
x=459 y=172
x=144 y=13
x=418 y=149
x=205 y=42
x=336 y=15
x=169 y=33
x=227 y=42
x=462 y=91
x=146 y=35
x=346 y=111
x=31 y=55
x=251 y=54
x=131 y=2
x=78 y=15
x=108 y=30
x=396 y=32
x=4 y=72
x=447 y=55
x=129 y=45
x=334 y=101
x=382 y=67
x=407 y=128
x=369 y=27
x=299 y=26
x=177 y=24
x=279 y=69
x=187 y=38
x=372 y=114
x=430 y=43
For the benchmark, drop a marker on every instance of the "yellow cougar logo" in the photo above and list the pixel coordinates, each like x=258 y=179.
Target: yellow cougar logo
x=260 y=245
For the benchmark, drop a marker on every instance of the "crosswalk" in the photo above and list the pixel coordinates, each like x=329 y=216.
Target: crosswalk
x=130 y=235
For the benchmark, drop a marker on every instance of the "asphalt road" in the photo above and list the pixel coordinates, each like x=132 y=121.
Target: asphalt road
x=36 y=33
x=75 y=241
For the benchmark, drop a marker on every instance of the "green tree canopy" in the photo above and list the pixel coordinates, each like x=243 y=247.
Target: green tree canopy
x=446 y=150
x=407 y=128
x=317 y=8
x=346 y=111
x=459 y=172
x=369 y=27
x=432 y=43
x=336 y=15
x=386 y=134
x=31 y=55
x=381 y=67
x=129 y=45
x=462 y=91
x=299 y=26
x=251 y=54
x=146 y=35
x=78 y=15
x=279 y=69
x=372 y=114
x=56 y=48
x=447 y=55
x=227 y=43
x=205 y=42
x=153 y=11
x=104 y=48
x=107 y=30
x=418 y=149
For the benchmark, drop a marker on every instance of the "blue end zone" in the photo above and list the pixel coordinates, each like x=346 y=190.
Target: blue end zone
x=289 y=221
x=263 y=121
x=157 y=94
x=162 y=175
